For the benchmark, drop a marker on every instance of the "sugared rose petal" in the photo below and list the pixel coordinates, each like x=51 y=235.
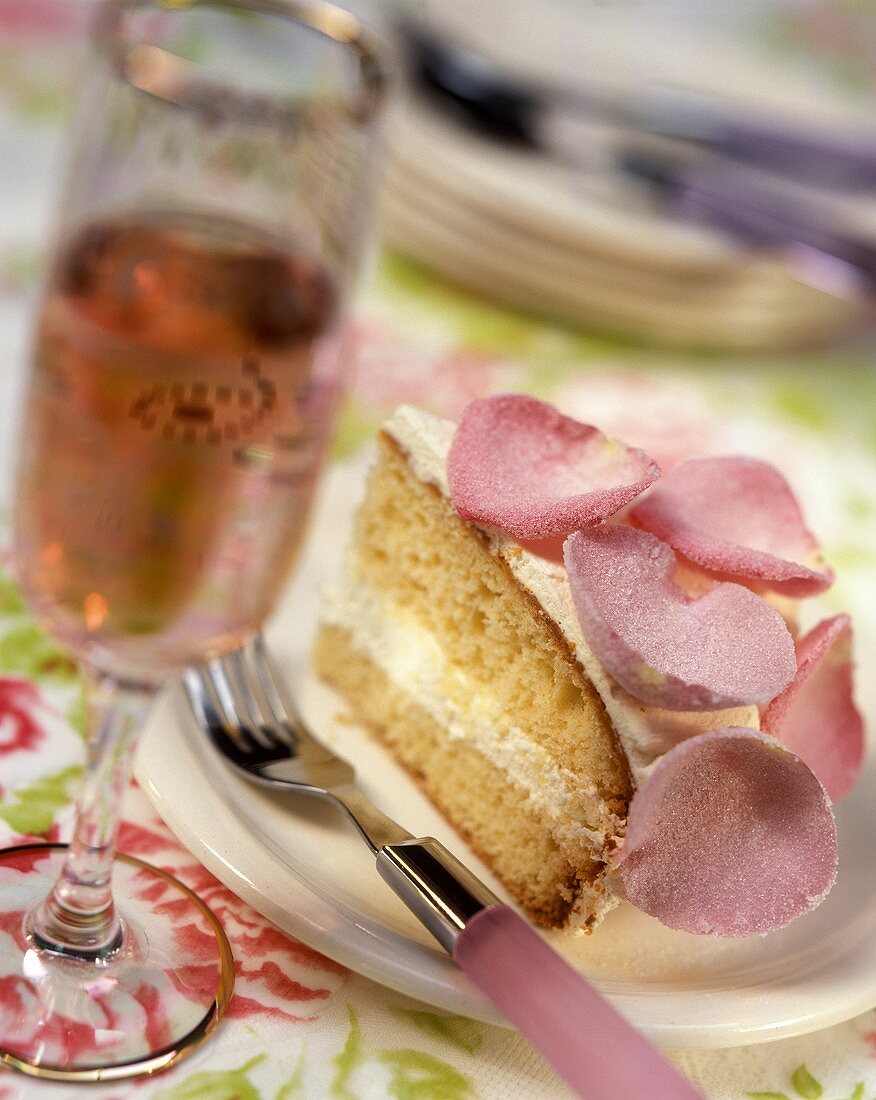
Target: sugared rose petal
x=519 y=464
x=730 y=835
x=739 y=517
x=725 y=649
x=815 y=716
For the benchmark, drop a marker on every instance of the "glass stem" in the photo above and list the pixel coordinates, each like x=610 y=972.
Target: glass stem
x=78 y=917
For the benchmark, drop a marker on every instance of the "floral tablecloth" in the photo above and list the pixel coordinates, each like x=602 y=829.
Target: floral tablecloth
x=300 y=1025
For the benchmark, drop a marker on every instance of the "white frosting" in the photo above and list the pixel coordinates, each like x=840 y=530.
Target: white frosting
x=414 y=661
x=645 y=732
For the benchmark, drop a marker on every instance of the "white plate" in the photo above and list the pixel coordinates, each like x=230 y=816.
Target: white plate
x=299 y=864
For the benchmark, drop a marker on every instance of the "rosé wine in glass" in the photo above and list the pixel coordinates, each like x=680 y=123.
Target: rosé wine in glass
x=186 y=367
x=185 y=376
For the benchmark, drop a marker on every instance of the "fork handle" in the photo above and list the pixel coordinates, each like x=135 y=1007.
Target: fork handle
x=438 y=889
x=586 y=1040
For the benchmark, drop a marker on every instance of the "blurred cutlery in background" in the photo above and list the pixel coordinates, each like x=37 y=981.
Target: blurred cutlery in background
x=531 y=114
x=582 y=170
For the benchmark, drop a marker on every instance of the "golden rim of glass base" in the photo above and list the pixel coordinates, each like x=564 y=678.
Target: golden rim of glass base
x=174 y=1052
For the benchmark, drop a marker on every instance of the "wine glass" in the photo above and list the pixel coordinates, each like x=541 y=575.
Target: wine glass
x=187 y=364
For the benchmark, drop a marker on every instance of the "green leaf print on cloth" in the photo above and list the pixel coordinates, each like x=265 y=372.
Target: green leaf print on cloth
x=27 y=650
x=352 y=430
x=805 y=1084
x=420 y=1076
x=223 y=1084
x=295 y=1085
x=77 y=712
x=807 y=1087
x=31 y=810
x=11 y=602
x=415 y=1075
x=455 y=1030
x=349 y=1058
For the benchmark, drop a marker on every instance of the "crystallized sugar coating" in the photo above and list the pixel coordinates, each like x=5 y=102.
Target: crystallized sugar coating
x=645 y=732
x=736 y=516
x=724 y=649
x=730 y=835
x=519 y=464
x=815 y=716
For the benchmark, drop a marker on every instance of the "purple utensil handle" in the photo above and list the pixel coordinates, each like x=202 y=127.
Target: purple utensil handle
x=589 y=1043
x=807 y=153
x=761 y=211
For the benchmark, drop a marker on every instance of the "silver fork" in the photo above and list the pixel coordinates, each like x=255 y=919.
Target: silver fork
x=241 y=703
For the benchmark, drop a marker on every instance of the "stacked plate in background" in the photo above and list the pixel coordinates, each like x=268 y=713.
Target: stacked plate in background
x=585 y=242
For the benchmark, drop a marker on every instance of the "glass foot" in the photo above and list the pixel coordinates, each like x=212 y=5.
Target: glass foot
x=139 y=1010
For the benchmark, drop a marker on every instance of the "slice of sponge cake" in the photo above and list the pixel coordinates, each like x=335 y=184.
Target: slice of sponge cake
x=464 y=674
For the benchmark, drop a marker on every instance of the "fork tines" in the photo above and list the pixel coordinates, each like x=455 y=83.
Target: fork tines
x=239 y=700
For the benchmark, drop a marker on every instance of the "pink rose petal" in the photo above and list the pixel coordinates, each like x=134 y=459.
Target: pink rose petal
x=739 y=517
x=723 y=649
x=519 y=464
x=815 y=716
x=730 y=835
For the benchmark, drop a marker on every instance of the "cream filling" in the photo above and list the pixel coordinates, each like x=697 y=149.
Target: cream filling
x=645 y=732
x=414 y=661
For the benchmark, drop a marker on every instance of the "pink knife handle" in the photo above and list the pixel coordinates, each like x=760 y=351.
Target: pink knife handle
x=587 y=1041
